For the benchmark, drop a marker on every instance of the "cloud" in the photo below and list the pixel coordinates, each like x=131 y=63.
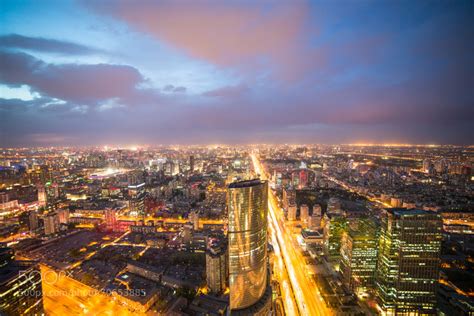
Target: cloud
x=267 y=35
x=171 y=88
x=40 y=44
x=228 y=91
x=75 y=83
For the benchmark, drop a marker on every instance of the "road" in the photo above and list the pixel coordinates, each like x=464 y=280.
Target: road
x=306 y=293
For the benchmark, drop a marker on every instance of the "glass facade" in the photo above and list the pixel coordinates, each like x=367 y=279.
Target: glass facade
x=359 y=255
x=408 y=261
x=247 y=203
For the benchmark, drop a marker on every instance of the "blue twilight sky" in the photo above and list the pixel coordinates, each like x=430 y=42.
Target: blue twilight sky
x=151 y=72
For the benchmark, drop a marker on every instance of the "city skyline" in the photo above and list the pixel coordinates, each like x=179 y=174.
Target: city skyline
x=92 y=73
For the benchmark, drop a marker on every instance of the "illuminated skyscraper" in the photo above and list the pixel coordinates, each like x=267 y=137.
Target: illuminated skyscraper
x=136 y=195
x=191 y=163
x=216 y=276
x=333 y=228
x=111 y=219
x=51 y=223
x=359 y=255
x=247 y=203
x=408 y=261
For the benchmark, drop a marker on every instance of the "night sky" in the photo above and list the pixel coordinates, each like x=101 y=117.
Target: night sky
x=196 y=72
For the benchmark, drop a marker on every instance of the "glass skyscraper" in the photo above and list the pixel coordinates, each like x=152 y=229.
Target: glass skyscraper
x=247 y=203
x=408 y=261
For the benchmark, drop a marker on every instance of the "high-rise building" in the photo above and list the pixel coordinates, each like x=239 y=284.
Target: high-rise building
x=63 y=215
x=315 y=221
x=42 y=195
x=216 y=263
x=33 y=221
x=359 y=255
x=408 y=261
x=111 y=219
x=20 y=286
x=247 y=203
x=191 y=163
x=291 y=212
x=334 y=227
x=193 y=217
x=304 y=214
x=51 y=223
x=136 y=199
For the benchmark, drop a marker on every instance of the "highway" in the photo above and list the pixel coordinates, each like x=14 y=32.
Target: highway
x=306 y=293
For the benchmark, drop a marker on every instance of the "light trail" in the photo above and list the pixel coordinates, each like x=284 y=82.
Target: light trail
x=307 y=295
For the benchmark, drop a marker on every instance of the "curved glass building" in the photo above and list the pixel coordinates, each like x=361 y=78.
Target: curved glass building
x=247 y=203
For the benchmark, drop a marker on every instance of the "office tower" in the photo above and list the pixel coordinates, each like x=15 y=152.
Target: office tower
x=292 y=212
x=51 y=223
x=20 y=285
x=304 y=214
x=33 y=221
x=63 y=215
x=110 y=219
x=359 y=255
x=216 y=263
x=289 y=198
x=315 y=222
x=42 y=195
x=334 y=227
x=408 y=261
x=136 y=199
x=247 y=203
x=191 y=163
x=193 y=218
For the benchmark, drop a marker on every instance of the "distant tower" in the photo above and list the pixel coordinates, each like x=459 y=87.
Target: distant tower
x=110 y=219
x=136 y=199
x=33 y=221
x=316 y=217
x=63 y=216
x=194 y=219
x=51 y=223
x=247 y=203
x=408 y=261
x=191 y=163
x=42 y=195
x=292 y=212
x=304 y=214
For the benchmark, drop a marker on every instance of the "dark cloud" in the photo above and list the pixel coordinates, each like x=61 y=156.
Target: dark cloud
x=40 y=44
x=87 y=84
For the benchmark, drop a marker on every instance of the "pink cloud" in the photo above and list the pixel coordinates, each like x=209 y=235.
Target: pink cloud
x=225 y=35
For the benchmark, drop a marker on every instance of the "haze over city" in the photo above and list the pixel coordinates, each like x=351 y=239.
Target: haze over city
x=121 y=72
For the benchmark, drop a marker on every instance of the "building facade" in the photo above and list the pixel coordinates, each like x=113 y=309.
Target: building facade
x=247 y=203
x=408 y=261
x=359 y=256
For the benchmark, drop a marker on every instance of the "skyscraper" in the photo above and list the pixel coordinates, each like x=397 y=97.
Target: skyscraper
x=20 y=286
x=191 y=163
x=359 y=255
x=247 y=203
x=216 y=262
x=408 y=261
x=136 y=195
x=51 y=223
x=334 y=227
